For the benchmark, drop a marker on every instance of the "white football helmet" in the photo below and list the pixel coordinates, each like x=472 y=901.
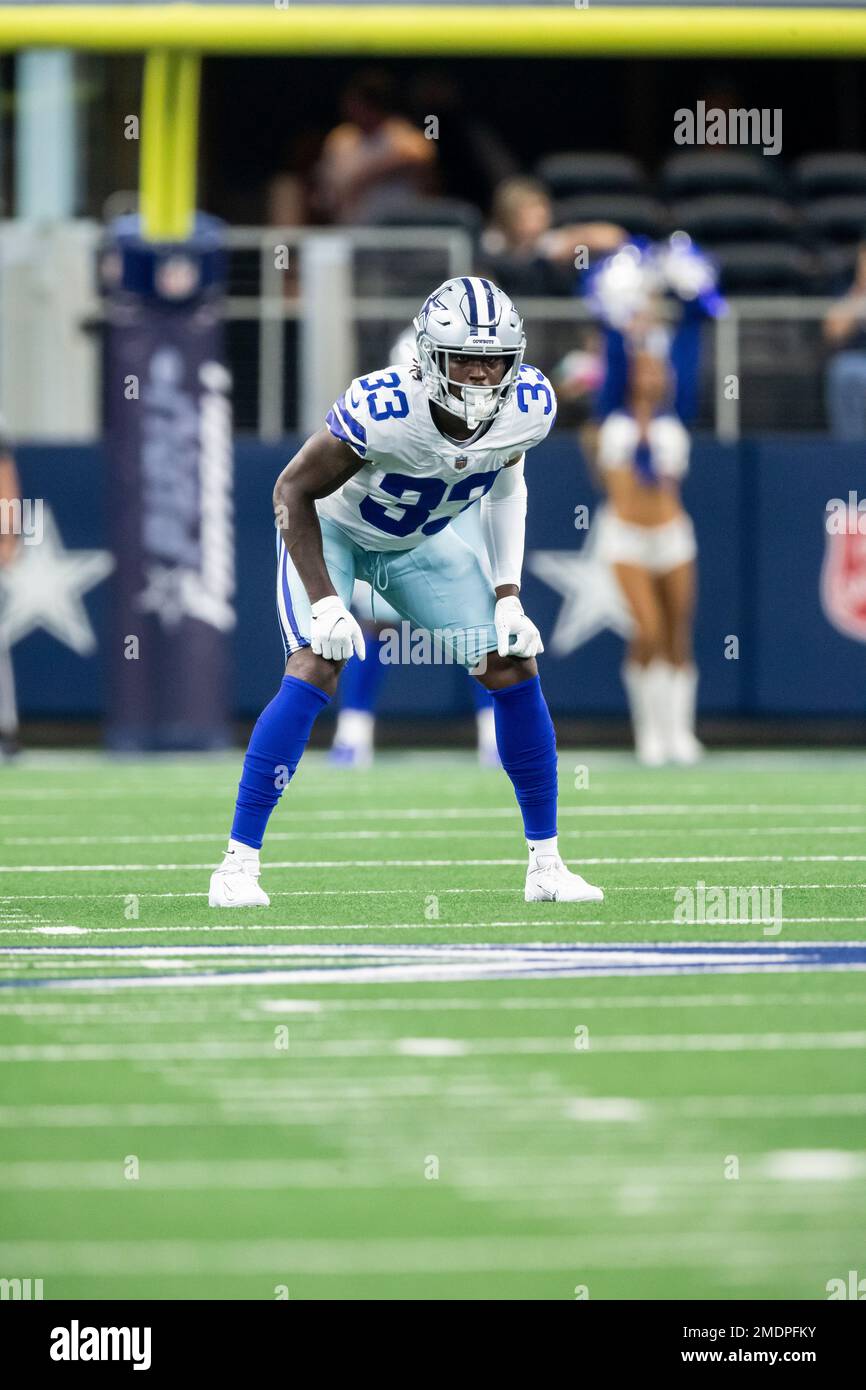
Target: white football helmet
x=468 y=315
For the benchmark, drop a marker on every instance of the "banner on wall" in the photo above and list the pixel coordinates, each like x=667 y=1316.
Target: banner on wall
x=169 y=458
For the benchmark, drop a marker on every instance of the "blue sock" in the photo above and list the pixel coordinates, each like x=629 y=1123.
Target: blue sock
x=527 y=746
x=361 y=680
x=274 y=751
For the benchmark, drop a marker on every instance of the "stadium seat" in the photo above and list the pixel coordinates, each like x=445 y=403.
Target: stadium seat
x=763 y=267
x=840 y=219
x=829 y=175
x=430 y=212
x=699 y=173
x=639 y=215
x=584 y=172
x=834 y=268
x=722 y=217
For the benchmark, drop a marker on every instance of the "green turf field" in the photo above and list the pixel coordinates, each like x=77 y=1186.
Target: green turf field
x=402 y=1081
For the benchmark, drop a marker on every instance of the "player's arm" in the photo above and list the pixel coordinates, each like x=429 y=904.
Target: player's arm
x=503 y=525
x=321 y=466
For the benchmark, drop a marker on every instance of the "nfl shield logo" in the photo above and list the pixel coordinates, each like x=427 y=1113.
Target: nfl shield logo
x=461 y=462
x=843 y=583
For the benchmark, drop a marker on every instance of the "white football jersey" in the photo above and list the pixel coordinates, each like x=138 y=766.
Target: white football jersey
x=414 y=480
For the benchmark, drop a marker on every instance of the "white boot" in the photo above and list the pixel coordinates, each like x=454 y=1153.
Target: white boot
x=683 y=747
x=236 y=882
x=353 y=739
x=647 y=691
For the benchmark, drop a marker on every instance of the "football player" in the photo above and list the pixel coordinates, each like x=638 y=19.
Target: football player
x=361 y=682
x=404 y=451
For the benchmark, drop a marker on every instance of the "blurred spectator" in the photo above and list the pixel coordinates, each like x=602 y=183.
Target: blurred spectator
x=473 y=158
x=526 y=255
x=375 y=157
x=845 y=335
x=287 y=195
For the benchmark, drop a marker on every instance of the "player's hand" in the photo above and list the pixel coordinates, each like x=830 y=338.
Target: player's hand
x=516 y=634
x=334 y=633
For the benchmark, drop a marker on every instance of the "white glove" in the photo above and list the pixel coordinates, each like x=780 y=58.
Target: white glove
x=334 y=633
x=511 y=622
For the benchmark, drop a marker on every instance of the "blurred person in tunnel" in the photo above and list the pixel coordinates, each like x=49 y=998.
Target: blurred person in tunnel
x=374 y=157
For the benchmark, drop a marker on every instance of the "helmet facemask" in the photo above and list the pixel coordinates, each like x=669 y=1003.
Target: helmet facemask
x=471 y=404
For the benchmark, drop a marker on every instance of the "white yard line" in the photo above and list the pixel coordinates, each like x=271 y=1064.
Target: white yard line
x=441 y=863
x=81 y=1013
x=218 y=837
x=575 y=923
x=279 y=1110
x=389 y=892
x=364 y=1048
x=274 y=1258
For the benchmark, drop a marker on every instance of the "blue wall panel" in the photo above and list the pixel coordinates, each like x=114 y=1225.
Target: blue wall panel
x=759 y=509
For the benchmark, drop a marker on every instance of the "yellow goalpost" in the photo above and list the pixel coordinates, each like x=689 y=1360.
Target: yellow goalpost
x=284 y=26
x=174 y=36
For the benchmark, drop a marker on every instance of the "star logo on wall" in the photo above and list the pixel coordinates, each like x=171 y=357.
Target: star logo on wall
x=591 y=598
x=44 y=587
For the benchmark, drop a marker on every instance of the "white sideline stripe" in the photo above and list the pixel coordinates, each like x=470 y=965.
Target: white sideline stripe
x=356 y=1048
x=373 y=892
x=218 y=837
x=436 y=1255
x=441 y=863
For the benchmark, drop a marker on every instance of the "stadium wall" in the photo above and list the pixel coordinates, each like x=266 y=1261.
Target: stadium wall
x=759 y=508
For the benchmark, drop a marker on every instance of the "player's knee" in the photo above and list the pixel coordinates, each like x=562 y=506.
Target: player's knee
x=496 y=672
x=305 y=665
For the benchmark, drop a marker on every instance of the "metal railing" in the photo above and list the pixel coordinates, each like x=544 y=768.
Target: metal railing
x=763 y=362
x=308 y=309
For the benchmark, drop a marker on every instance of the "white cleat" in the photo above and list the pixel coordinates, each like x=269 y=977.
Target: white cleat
x=236 y=883
x=549 y=881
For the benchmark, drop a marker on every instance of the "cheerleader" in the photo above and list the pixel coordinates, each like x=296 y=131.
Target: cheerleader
x=652 y=300
x=648 y=539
